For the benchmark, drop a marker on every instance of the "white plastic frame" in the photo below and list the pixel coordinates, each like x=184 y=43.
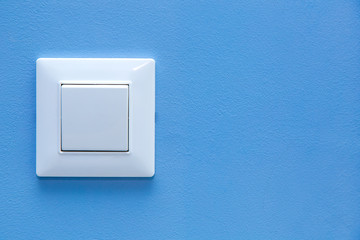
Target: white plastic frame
x=139 y=74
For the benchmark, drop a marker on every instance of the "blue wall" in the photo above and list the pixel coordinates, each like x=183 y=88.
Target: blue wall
x=257 y=120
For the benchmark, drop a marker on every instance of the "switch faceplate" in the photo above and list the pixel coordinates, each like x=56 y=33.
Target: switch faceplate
x=95 y=117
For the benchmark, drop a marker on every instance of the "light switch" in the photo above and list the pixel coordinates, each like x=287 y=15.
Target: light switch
x=94 y=117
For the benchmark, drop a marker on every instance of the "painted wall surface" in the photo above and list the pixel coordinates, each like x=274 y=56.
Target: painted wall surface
x=257 y=120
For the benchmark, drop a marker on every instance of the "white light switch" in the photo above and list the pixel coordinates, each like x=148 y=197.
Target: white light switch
x=94 y=117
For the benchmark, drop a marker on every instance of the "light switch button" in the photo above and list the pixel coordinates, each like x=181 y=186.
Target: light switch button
x=94 y=117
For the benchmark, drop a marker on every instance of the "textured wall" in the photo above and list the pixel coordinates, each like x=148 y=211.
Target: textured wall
x=257 y=126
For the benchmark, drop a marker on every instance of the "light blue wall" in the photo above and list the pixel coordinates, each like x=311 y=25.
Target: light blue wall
x=257 y=120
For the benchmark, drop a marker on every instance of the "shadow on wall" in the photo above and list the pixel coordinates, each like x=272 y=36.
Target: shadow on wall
x=106 y=186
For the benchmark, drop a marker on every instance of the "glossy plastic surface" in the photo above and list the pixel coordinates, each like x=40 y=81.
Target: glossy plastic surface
x=138 y=74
